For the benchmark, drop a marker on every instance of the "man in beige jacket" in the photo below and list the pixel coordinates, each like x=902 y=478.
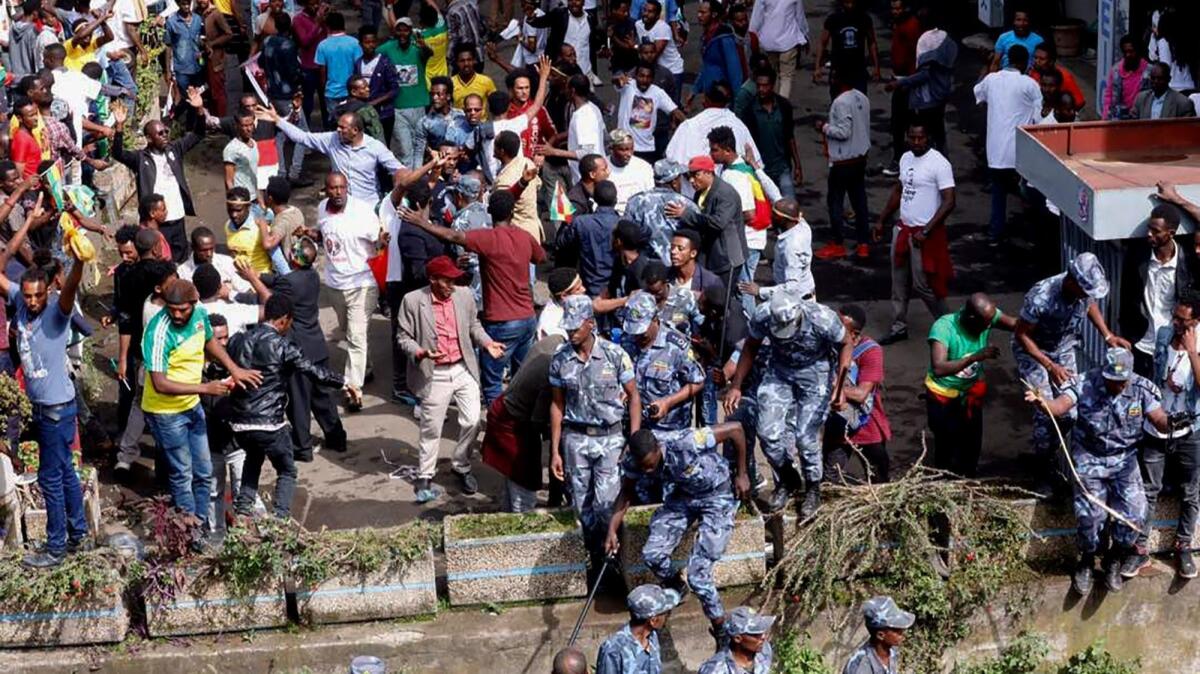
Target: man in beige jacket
x=438 y=331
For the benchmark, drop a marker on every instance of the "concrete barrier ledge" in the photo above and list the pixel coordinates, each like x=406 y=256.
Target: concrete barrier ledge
x=1152 y=610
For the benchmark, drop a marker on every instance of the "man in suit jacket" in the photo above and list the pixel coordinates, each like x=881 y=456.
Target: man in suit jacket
x=439 y=329
x=720 y=223
x=158 y=169
x=1160 y=95
x=302 y=285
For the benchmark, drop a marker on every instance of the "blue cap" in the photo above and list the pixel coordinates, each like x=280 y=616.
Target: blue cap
x=647 y=601
x=882 y=613
x=666 y=170
x=745 y=620
x=785 y=314
x=576 y=310
x=640 y=312
x=1118 y=364
x=1089 y=274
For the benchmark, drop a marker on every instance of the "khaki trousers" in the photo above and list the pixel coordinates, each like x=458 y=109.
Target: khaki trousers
x=450 y=382
x=353 y=307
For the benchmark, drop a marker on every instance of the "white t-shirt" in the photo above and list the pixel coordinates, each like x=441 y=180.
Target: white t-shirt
x=224 y=266
x=517 y=125
x=579 y=34
x=368 y=67
x=1013 y=99
x=391 y=221
x=638 y=112
x=1181 y=75
x=124 y=12
x=585 y=135
x=239 y=316
x=349 y=238
x=630 y=179
x=78 y=90
x=921 y=181
x=669 y=58
x=756 y=239
x=166 y=184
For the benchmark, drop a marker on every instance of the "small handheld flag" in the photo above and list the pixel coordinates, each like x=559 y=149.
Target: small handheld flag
x=561 y=210
x=53 y=177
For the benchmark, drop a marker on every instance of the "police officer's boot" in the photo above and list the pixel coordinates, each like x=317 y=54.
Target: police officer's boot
x=787 y=482
x=678 y=584
x=1113 y=581
x=811 y=501
x=1081 y=580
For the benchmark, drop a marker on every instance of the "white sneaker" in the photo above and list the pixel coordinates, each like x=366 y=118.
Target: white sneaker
x=123 y=465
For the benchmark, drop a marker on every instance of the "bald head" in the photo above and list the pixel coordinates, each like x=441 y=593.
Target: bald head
x=570 y=660
x=978 y=313
x=785 y=213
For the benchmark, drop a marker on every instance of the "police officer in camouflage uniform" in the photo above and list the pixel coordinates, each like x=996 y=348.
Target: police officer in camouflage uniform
x=667 y=376
x=646 y=208
x=1113 y=403
x=677 y=305
x=886 y=624
x=469 y=214
x=696 y=490
x=1048 y=330
x=795 y=394
x=748 y=650
x=634 y=648
x=591 y=382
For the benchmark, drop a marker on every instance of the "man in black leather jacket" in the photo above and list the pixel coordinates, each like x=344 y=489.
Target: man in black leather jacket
x=257 y=416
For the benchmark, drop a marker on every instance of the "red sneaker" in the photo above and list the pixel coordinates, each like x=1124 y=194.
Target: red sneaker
x=830 y=251
x=862 y=252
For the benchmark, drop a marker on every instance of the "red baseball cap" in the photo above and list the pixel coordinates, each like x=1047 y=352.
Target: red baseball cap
x=702 y=163
x=444 y=267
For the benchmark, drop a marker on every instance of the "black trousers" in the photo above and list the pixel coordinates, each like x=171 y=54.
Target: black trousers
x=271 y=446
x=395 y=294
x=1143 y=363
x=837 y=461
x=902 y=116
x=305 y=400
x=848 y=179
x=175 y=233
x=957 y=436
x=1184 y=456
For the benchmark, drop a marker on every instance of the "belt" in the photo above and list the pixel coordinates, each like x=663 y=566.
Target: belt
x=594 y=431
x=50 y=408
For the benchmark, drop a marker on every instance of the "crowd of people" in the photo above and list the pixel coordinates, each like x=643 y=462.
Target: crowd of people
x=662 y=358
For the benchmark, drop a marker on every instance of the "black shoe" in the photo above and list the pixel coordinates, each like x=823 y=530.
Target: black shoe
x=353 y=407
x=1187 y=565
x=369 y=377
x=303 y=454
x=1081 y=580
x=81 y=544
x=678 y=584
x=811 y=502
x=335 y=442
x=779 y=498
x=893 y=337
x=470 y=485
x=1133 y=564
x=43 y=559
x=1113 y=581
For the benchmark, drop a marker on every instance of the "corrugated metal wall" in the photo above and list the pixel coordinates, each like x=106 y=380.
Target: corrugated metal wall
x=1111 y=254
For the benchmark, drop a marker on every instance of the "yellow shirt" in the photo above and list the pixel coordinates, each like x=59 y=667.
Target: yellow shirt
x=246 y=243
x=480 y=84
x=224 y=6
x=177 y=352
x=77 y=57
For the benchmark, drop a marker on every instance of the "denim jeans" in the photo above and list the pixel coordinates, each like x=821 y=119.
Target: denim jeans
x=275 y=446
x=848 y=179
x=185 y=80
x=787 y=186
x=1184 y=456
x=747 y=274
x=54 y=427
x=410 y=145
x=284 y=108
x=119 y=75
x=517 y=337
x=183 y=439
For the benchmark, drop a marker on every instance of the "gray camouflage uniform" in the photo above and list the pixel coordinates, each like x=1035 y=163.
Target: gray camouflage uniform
x=621 y=653
x=471 y=217
x=646 y=209
x=696 y=488
x=793 y=398
x=743 y=620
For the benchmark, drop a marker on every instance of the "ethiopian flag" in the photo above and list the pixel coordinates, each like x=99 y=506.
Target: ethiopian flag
x=762 y=207
x=53 y=178
x=561 y=209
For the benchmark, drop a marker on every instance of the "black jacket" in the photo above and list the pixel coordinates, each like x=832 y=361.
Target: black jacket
x=1135 y=314
x=260 y=347
x=144 y=170
x=303 y=287
x=556 y=20
x=722 y=229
